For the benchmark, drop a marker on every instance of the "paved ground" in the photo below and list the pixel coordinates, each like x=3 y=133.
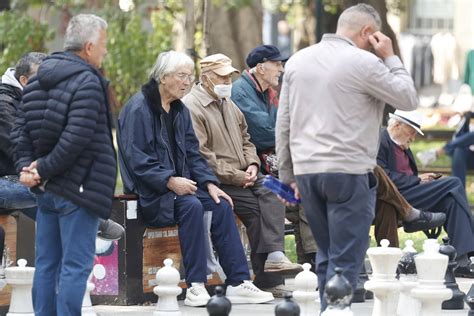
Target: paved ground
x=360 y=309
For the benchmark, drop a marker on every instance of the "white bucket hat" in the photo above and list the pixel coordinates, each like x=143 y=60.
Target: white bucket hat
x=412 y=118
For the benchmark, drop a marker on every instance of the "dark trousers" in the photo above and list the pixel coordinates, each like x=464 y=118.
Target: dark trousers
x=447 y=195
x=340 y=211
x=189 y=211
x=390 y=208
x=264 y=218
x=462 y=158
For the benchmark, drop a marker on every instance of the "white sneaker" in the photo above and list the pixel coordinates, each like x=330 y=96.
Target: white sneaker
x=196 y=295
x=426 y=157
x=247 y=293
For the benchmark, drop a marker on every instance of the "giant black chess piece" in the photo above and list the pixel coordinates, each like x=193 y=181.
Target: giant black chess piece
x=469 y=299
x=338 y=291
x=219 y=305
x=456 y=301
x=288 y=307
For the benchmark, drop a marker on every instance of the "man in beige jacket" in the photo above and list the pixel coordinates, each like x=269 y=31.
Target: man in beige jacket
x=222 y=132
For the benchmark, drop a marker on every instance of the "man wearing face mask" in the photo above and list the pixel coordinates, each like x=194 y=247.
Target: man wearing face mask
x=224 y=141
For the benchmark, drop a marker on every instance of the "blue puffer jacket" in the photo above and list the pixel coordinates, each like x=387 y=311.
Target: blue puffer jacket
x=259 y=113
x=64 y=124
x=146 y=162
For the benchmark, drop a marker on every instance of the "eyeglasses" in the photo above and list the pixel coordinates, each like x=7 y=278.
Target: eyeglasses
x=183 y=76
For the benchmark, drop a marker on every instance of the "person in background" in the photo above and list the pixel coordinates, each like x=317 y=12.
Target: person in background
x=256 y=95
x=425 y=191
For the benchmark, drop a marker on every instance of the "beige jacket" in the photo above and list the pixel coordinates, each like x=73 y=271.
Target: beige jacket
x=222 y=134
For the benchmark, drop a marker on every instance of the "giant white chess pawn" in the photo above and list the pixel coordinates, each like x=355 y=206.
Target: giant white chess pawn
x=167 y=290
x=384 y=284
x=407 y=305
x=431 y=267
x=87 y=309
x=305 y=293
x=21 y=280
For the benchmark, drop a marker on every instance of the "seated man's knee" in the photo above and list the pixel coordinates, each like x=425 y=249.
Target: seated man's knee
x=192 y=208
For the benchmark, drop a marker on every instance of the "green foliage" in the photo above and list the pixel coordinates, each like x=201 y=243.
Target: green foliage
x=20 y=34
x=132 y=49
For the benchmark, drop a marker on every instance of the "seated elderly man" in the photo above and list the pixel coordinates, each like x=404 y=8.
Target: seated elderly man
x=160 y=161
x=256 y=95
x=224 y=141
x=424 y=191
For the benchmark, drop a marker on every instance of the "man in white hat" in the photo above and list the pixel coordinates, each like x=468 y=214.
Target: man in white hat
x=225 y=143
x=425 y=191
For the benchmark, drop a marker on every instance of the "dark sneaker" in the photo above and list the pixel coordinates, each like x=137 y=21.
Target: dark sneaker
x=110 y=230
x=464 y=272
x=426 y=221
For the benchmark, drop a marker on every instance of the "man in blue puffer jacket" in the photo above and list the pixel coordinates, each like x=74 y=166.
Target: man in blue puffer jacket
x=65 y=153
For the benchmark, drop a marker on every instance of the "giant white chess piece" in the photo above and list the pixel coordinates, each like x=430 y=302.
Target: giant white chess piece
x=87 y=309
x=305 y=293
x=407 y=305
x=384 y=285
x=21 y=280
x=167 y=290
x=431 y=267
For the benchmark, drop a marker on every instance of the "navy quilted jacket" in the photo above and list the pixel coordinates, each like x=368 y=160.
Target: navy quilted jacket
x=64 y=124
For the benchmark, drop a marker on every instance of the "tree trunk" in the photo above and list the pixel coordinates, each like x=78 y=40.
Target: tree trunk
x=205 y=27
x=235 y=32
x=189 y=28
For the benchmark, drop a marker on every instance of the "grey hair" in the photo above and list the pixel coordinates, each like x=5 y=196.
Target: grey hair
x=81 y=29
x=359 y=15
x=25 y=65
x=168 y=62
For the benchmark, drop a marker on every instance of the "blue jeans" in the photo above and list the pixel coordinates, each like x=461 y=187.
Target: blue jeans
x=340 y=209
x=65 y=248
x=462 y=158
x=14 y=195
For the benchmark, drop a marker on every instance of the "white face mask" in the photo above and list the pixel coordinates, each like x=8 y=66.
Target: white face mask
x=223 y=90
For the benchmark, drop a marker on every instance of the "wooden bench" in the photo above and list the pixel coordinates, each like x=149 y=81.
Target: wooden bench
x=140 y=253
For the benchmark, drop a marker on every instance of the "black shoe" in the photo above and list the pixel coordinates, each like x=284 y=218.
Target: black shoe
x=110 y=230
x=464 y=272
x=426 y=221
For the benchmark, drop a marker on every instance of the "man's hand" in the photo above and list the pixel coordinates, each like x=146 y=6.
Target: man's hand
x=250 y=176
x=215 y=193
x=382 y=45
x=297 y=195
x=181 y=186
x=427 y=177
x=29 y=175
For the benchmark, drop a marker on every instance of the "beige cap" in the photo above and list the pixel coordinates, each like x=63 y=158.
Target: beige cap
x=218 y=63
